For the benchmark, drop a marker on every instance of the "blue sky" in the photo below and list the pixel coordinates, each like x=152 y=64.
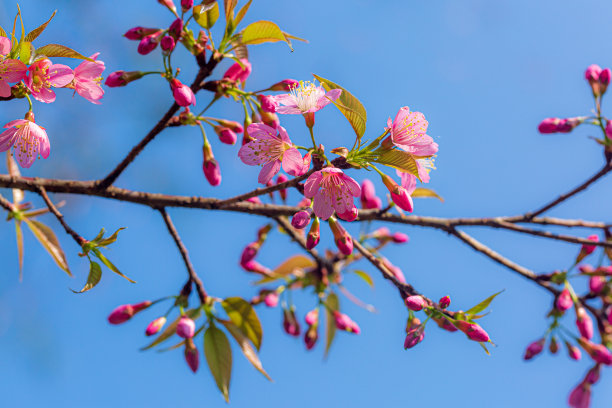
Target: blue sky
x=483 y=73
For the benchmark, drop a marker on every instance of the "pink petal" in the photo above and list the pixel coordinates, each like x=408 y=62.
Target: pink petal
x=250 y=154
x=292 y=161
x=283 y=135
x=5 y=45
x=12 y=70
x=60 y=75
x=288 y=110
x=7 y=139
x=5 y=89
x=352 y=185
x=285 y=99
x=45 y=95
x=423 y=173
x=261 y=131
x=268 y=171
x=89 y=70
x=90 y=91
x=312 y=184
x=16 y=122
x=43 y=139
x=409 y=181
x=327 y=99
x=322 y=205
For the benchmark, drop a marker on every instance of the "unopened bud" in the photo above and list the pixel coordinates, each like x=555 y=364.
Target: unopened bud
x=192 y=356
x=564 y=301
x=444 y=302
x=155 y=326
x=285 y=85
x=290 y=323
x=415 y=303
x=301 y=218
x=283 y=191
x=596 y=284
x=399 y=194
x=122 y=78
x=584 y=323
x=343 y=240
x=271 y=299
x=186 y=5
x=185 y=327
x=226 y=135
x=313 y=235
x=312 y=317
x=167 y=43
x=414 y=337
x=473 y=331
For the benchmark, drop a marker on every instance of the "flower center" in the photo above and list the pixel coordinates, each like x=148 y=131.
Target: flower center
x=306 y=95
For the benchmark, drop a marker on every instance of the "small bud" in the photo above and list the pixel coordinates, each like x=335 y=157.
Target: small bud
x=473 y=331
x=415 y=303
x=268 y=103
x=343 y=322
x=226 y=135
x=592 y=376
x=553 y=347
x=584 y=323
x=290 y=323
x=237 y=72
x=211 y=169
x=310 y=337
x=271 y=299
x=124 y=313
x=549 y=125
x=255 y=267
x=285 y=85
x=444 y=302
x=564 y=301
x=167 y=43
x=169 y=4
x=589 y=249
x=399 y=194
x=186 y=5
x=301 y=219
x=412 y=322
x=312 y=317
x=138 y=33
x=596 y=284
x=122 y=78
x=313 y=235
x=249 y=252
x=598 y=352
x=369 y=200
x=192 y=357
x=399 y=238
x=350 y=215
x=344 y=242
x=573 y=351
x=592 y=75
x=185 y=327
x=148 y=43
x=183 y=95
x=414 y=336
x=176 y=28
x=567 y=125
x=604 y=80
x=155 y=326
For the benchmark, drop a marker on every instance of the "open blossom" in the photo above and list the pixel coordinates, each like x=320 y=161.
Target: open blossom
x=28 y=139
x=408 y=133
x=271 y=151
x=87 y=79
x=42 y=75
x=331 y=190
x=306 y=98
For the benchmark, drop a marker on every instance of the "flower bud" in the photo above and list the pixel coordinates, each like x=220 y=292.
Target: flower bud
x=271 y=299
x=584 y=323
x=124 y=313
x=185 y=327
x=313 y=235
x=176 y=28
x=350 y=215
x=580 y=396
x=444 y=302
x=226 y=135
x=192 y=356
x=183 y=95
x=604 y=80
x=592 y=75
x=369 y=200
x=186 y=5
x=211 y=169
x=249 y=252
x=534 y=349
x=573 y=351
x=473 y=331
x=564 y=301
x=268 y=103
x=567 y=125
x=290 y=323
x=399 y=237
x=310 y=337
x=598 y=352
x=167 y=43
x=255 y=267
x=312 y=317
x=285 y=85
x=270 y=119
x=148 y=43
x=589 y=249
x=237 y=72
x=414 y=336
x=592 y=376
x=343 y=322
x=138 y=33
x=553 y=347
x=344 y=242
x=549 y=125
x=415 y=303
x=301 y=218
x=169 y=4
x=596 y=284
x=399 y=194
x=412 y=322
x=122 y=78
x=231 y=124
x=155 y=326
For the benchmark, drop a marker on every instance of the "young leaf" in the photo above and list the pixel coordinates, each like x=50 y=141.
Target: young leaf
x=56 y=50
x=2 y=32
x=241 y=50
x=48 y=240
x=171 y=329
x=242 y=13
x=350 y=107
x=330 y=332
x=230 y=5
x=219 y=357
x=32 y=35
x=99 y=236
x=482 y=305
x=287 y=267
x=399 y=160
x=26 y=52
x=95 y=274
x=248 y=350
x=109 y=264
x=206 y=15
x=242 y=314
x=111 y=239
x=19 y=234
x=425 y=192
x=261 y=32
x=366 y=277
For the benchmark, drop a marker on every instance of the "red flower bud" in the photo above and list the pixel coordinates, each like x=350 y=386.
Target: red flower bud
x=185 y=327
x=564 y=301
x=290 y=323
x=584 y=323
x=192 y=356
x=534 y=349
x=155 y=326
x=301 y=219
x=415 y=303
x=444 y=302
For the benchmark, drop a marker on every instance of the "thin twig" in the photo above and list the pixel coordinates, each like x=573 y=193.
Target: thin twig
x=193 y=276
x=79 y=239
x=6 y=204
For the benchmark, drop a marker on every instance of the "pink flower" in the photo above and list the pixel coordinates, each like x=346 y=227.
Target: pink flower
x=155 y=326
x=592 y=73
x=584 y=323
x=237 y=72
x=42 y=75
x=271 y=151
x=415 y=303
x=10 y=70
x=534 y=349
x=5 y=46
x=564 y=301
x=408 y=133
x=401 y=194
x=305 y=98
x=369 y=200
x=87 y=79
x=185 y=327
x=580 y=396
x=400 y=238
x=331 y=190
x=183 y=95
x=271 y=299
x=28 y=140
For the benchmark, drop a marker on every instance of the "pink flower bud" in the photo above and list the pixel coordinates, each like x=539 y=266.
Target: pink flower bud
x=148 y=43
x=415 y=303
x=399 y=194
x=249 y=252
x=138 y=33
x=183 y=95
x=564 y=301
x=534 y=349
x=192 y=356
x=313 y=235
x=167 y=43
x=270 y=119
x=573 y=351
x=596 y=284
x=121 y=314
x=350 y=215
x=271 y=299
x=586 y=269
x=604 y=80
x=369 y=200
x=609 y=129
x=122 y=78
x=399 y=238
x=444 y=302
x=344 y=242
x=312 y=317
x=592 y=376
x=237 y=72
x=592 y=73
x=254 y=200
x=285 y=85
x=290 y=323
x=584 y=323
x=155 y=326
x=169 y=4
x=549 y=125
x=185 y=327
x=567 y=125
x=310 y=337
x=580 y=396
x=343 y=322
x=301 y=218
x=231 y=124
x=255 y=267
x=186 y=5
x=268 y=103
x=598 y=352
x=176 y=28
x=414 y=336
x=226 y=135
x=211 y=169
x=473 y=331
x=589 y=249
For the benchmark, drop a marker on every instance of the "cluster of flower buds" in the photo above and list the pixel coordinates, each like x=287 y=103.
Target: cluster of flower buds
x=247 y=259
x=598 y=78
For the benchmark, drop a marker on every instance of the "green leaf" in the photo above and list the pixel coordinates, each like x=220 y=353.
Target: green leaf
x=229 y=5
x=111 y=239
x=56 y=50
x=206 y=15
x=241 y=50
x=350 y=107
x=95 y=274
x=261 y=32
x=330 y=331
x=248 y=350
x=399 y=160
x=19 y=234
x=484 y=347
x=2 y=32
x=366 y=277
x=482 y=305
x=99 y=236
x=242 y=314
x=425 y=192
x=109 y=264
x=32 y=35
x=242 y=13
x=48 y=240
x=171 y=329
x=219 y=357
x=26 y=52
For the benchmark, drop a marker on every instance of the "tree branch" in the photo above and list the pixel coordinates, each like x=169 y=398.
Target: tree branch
x=79 y=239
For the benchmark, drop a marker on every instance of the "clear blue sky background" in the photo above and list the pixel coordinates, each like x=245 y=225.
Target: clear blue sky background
x=484 y=74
